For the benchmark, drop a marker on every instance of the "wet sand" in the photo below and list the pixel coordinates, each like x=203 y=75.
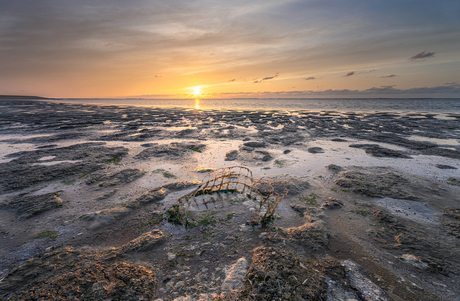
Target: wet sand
x=372 y=211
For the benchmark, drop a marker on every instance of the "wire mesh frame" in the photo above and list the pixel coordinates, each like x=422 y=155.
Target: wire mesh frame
x=236 y=179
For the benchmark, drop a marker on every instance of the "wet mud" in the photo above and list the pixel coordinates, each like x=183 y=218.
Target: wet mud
x=371 y=210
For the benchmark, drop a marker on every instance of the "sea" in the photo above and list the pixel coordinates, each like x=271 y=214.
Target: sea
x=430 y=105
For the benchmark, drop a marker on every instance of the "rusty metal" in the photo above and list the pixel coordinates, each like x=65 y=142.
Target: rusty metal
x=237 y=179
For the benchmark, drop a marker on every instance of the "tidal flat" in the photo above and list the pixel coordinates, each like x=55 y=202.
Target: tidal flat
x=371 y=211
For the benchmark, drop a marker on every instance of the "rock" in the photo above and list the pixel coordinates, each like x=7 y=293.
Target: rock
x=171 y=256
x=107 y=195
x=362 y=284
x=122 y=177
x=366 y=145
x=145 y=242
x=443 y=152
x=315 y=150
x=334 y=167
x=313 y=236
x=266 y=155
x=294 y=186
x=414 y=261
x=333 y=203
x=382 y=182
x=70 y=274
x=299 y=208
x=235 y=275
x=152 y=196
x=105 y=217
x=287 y=151
x=442 y=166
x=27 y=206
x=254 y=144
x=173 y=150
x=378 y=151
x=26 y=170
x=231 y=155
x=247 y=148
x=180 y=185
x=339 y=140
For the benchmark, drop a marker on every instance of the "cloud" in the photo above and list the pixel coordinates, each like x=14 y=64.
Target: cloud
x=448 y=89
x=310 y=78
x=256 y=82
x=232 y=80
x=349 y=73
x=269 y=77
x=158 y=76
x=422 y=55
x=388 y=76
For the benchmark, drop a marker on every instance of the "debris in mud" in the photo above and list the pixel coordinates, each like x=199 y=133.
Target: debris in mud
x=231 y=179
x=278 y=274
x=71 y=274
x=333 y=203
x=27 y=206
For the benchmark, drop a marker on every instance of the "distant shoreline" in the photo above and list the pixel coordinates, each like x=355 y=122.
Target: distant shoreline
x=22 y=97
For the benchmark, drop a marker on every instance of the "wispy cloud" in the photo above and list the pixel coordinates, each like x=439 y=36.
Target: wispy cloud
x=269 y=77
x=232 y=80
x=422 y=55
x=310 y=78
x=349 y=73
x=388 y=76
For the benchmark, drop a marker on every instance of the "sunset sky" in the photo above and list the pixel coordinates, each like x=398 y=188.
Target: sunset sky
x=224 y=49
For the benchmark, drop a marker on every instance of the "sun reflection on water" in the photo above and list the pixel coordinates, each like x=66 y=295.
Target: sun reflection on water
x=197 y=104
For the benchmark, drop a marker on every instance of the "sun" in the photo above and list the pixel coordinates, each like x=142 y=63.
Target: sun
x=196 y=91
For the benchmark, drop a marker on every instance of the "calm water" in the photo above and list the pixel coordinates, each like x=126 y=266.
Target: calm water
x=439 y=105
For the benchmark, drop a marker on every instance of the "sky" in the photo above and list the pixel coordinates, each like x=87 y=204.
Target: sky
x=227 y=49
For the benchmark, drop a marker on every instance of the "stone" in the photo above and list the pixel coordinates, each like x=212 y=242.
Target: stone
x=334 y=167
x=362 y=284
x=105 y=217
x=443 y=166
x=315 y=150
x=145 y=242
x=231 y=155
x=235 y=275
x=378 y=151
x=254 y=144
x=27 y=206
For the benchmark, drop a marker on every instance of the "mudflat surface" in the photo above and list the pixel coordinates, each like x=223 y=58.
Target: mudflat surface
x=371 y=211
